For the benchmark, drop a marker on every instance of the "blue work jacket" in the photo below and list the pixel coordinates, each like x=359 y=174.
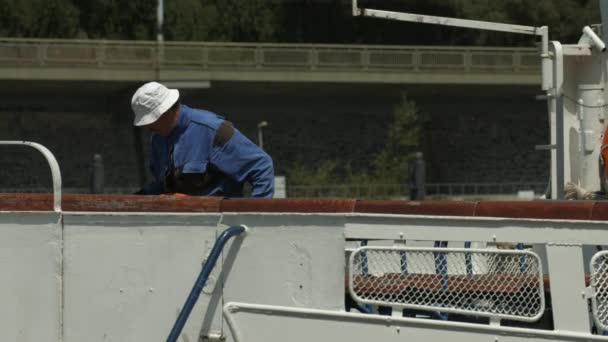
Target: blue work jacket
x=235 y=162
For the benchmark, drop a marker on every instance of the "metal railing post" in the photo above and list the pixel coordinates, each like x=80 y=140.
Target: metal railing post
x=202 y=279
x=55 y=172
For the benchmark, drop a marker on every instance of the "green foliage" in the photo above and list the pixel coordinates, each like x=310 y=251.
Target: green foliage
x=221 y=20
x=309 y=175
x=309 y=21
x=188 y=20
x=403 y=134
x=116 y=19
x=244 y=20
x=388 y=167
x=38 y=18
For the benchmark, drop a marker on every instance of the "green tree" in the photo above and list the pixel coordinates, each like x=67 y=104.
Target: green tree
x=221 y=20
x=118 y=19
x=243 y=20
x=390 y=165
x=38 y=18
x=331 y=21
x=189 y=20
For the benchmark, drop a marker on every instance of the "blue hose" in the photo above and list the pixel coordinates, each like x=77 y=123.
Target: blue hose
x=201 y=280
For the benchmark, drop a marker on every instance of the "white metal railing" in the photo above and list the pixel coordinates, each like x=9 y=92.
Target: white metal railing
x=146 y=54
x=55 y=171
x=401 y=190
x=599 y=284
x=370 y=191
x=491 y=283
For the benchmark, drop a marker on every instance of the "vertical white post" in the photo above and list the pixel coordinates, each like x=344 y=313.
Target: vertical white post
x=590 y=97
x=567 y=282
x=557 y=103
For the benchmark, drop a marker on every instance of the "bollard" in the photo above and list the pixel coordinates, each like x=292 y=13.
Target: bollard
x=97 y=174
x=417 y=177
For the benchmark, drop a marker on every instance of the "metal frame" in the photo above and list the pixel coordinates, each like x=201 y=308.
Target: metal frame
x=552 y=71
x=561 y=240
x=594 y=306
x=556 y=103
x=542 y=31
x=55 y=171
x=445 y=250
x=208 y=265
x=475 y=228
x=336 y=326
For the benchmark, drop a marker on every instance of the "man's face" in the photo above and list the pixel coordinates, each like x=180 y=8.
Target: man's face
x=165 y=124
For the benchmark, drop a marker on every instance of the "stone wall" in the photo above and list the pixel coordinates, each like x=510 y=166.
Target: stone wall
x=467 y=136
x=74 y=138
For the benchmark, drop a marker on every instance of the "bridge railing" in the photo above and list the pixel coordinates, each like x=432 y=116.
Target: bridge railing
x=187 y=55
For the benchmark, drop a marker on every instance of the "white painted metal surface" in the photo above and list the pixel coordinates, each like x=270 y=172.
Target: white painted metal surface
x=482 y=229
x=31 y=282
x=123 y=277
x=126 y=275
x=290 y=260
x=555 y=105
x=582 y=97
x=570 y=305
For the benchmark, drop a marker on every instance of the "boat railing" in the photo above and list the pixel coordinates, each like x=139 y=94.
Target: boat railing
x=599 y=289
x=201 y=280
x=55 y=171
x=396 y=268
x=498 y=284
x=379 y=191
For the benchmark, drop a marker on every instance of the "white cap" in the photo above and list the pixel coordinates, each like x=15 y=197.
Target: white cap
x=150 y=101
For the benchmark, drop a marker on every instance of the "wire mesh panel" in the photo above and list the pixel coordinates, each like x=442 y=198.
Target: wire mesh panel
x=481 y=282
x=599 y=283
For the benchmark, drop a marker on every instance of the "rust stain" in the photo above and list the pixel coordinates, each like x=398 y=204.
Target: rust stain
x=288 y=205
x=110 y=203
x=397 y=283
x=416 y=208
x=559 y=210
x=600 y=211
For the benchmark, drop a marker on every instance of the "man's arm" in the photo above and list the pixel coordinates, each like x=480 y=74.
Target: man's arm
x=244 y=161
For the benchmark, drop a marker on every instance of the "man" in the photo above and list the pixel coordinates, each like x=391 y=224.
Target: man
x=196 y=152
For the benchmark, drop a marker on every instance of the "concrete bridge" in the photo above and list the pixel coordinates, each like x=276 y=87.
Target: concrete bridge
x=103 y=60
